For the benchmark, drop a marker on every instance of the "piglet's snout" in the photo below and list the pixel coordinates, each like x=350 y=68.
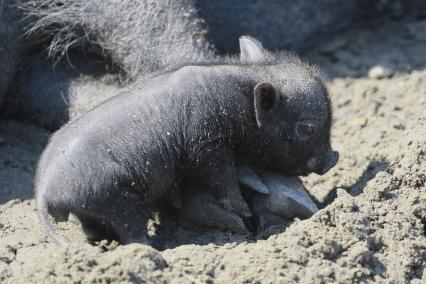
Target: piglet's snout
x=330 y=162
x=326 y=163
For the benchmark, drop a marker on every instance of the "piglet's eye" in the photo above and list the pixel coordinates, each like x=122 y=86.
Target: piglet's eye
x=305 y=130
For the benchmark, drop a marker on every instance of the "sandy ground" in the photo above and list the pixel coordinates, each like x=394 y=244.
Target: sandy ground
x=373 y=226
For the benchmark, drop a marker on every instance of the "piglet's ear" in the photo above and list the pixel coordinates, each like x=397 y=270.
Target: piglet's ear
x=251 y=50
x=265 y=98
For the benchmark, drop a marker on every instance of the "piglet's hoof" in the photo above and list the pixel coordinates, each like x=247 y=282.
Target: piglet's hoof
x=203 y=209
x=247 y=177
x=286 y=200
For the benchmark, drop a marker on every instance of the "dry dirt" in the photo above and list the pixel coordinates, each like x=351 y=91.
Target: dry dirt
x=373 y=226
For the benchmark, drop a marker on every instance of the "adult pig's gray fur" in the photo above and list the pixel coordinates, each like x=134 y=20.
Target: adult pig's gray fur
x=112 y=165
x=141 y=35
x=11 y=47
x=138 y=35
x=49 y=95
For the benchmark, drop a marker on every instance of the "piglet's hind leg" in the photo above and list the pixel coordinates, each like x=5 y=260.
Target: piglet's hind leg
x=118 y=216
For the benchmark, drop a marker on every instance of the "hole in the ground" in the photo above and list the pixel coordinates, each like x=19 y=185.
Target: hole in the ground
x=369 y=173
x=356 y=188
x=174 y=231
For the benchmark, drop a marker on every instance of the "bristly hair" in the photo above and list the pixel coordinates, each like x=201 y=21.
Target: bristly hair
x=124 y=32
x=78 y=23
x=270 y=58
x=83 y=24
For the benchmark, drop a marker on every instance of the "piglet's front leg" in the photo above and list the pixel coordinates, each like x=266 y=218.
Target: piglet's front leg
x=274 y=198
x=220 y=176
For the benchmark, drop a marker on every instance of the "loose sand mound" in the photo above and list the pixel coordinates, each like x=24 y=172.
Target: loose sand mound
x=374 y=230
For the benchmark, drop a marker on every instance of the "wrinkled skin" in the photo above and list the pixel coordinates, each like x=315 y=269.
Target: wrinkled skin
x=274 y=199
x=194 y=125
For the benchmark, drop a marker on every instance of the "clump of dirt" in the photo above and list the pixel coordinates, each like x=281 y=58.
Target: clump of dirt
x=372 y=229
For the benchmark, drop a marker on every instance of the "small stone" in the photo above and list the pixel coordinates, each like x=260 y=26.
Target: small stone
x=370 y=91
x=379 y=72
x=399 y=126
x=359 y=121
